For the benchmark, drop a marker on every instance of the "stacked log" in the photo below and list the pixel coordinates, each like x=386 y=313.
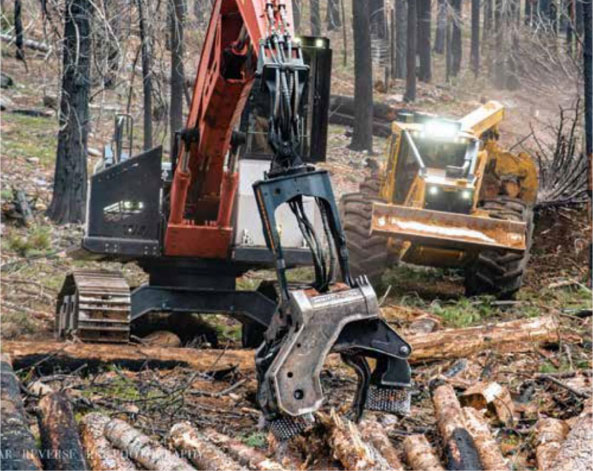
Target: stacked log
x=576 y=453
x=197 y=449
x=420 y=455
x=243 y=454
x=143 y=449
x=62 y=448
x=16 y=440
x=100 y=454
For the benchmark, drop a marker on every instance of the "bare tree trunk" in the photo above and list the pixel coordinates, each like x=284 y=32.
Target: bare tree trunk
x=296 y=14
x=410 y=94
x=177 y=75
x=332 y=16
x=400 y=38
x=362 y=136
x=528 y=12
x=315 y=17
x=486 y=34
x=588 y=81
x=69 y=191
x=456 y=46
x=424 y=11
x=146 y=38
x=448 y=34
x=113 y=18
x=475 y=41
x=439 y=38
x=377 y=18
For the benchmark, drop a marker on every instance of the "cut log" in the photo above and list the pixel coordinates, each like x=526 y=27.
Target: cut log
x=100 y=454
x=197 y=449
x=23 y=207
x=460 y=447
x=16 y=440
x=380 y=128
x=345 y=105
x=347 y=444
x=513 y=336
x=132 y=357
x=143 y=449
x=162 y=338
x=489 y=451
x=245 y=455
x=373 y=433
x=549 y=435
x=35 y=45
x=420 y=455
x=576 y=453
x=60 y=442
x=490 y=396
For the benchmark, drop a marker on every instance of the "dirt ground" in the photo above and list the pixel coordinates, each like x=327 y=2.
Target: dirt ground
x=34 y=262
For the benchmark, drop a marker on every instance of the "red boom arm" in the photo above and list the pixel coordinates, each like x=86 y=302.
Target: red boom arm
x=203 y=190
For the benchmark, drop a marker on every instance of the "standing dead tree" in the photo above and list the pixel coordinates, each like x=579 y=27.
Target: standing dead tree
x=362 y=136
x=69 y=191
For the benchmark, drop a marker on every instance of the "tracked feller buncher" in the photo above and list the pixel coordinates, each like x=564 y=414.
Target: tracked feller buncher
x=240 y=192
x=446 y=196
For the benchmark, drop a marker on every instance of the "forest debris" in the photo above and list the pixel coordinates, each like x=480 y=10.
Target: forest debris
x=132 y=357
x=34 y=112
x=420 y=455
x=285 y=452
x=39 y=389
x=347 y=444
x=245 y=455
x=460 y=448
x=100 y=454
x=162 y=338
x=374 y=433
x=576 y=452
x=489 y=451
x=35 y=45
x=6 y=80
x=143 y=449
x=491 y=396
x=198 y=450
x=583 y=393
x=550 y=433
x=61 y=445
x=16 y=440
x=517 y=335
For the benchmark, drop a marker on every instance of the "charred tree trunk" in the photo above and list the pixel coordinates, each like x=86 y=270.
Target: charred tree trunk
x=177 y=75
x=315 y=17
x=441 y=29
x=16 y=440
x=362 y=136
x=377 y=18
x=410 y=94
x=18 y=31
x=475 y=41
x=424 y=11
x=456 y=46
x=400 y=38
x=332 y=16
x=62 y=448
x=146 y=39
x=69 y=191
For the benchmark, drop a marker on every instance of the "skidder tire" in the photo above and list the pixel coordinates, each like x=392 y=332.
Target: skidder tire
x=499 y=272
x=368 y=254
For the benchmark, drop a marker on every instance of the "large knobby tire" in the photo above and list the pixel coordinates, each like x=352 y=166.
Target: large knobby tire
x=499 y=272
x=368 y=254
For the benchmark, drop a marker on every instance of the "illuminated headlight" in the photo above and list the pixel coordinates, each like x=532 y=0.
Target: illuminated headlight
x=466 y=194
x=433 y=190
x=319 y=43
x=440 y=129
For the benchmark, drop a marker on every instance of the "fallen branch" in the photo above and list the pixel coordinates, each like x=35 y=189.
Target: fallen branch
x=16 y=440
x=550 y=433
x=202 y=453
x=100 y=454
x=143 y=449
x=61 y=445
x=35 y=45
x=420 y=455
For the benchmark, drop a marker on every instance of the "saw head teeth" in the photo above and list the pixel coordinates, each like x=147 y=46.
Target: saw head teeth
x=284 y=428
x=392 y=400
